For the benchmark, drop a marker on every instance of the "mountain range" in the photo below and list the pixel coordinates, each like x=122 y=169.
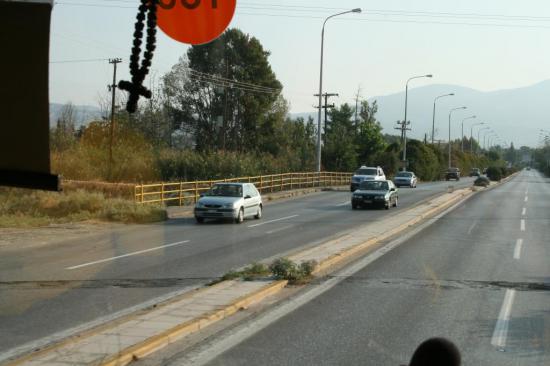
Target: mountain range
x=83 y=114
x=516 y=115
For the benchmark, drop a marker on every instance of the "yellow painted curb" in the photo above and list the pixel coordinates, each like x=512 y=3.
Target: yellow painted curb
x=161 y=340
x=100 y=328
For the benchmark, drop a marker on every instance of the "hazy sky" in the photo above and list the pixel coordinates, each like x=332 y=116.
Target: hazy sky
x=489 y=45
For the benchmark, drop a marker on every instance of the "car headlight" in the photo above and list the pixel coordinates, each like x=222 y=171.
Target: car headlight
x=380 y=198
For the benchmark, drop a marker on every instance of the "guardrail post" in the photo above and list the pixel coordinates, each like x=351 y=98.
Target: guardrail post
x=261 y=183
x=162 y=193
x=291 y=180
x=281 y=176
x=142 y=195
x=196 y=195
x=181 y=193
x=135 y=194
x=272 y=183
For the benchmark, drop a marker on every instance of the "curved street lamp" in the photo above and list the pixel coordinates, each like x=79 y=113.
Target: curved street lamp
x=472 y=133
x=433 y=116
x=404 y=126
x=450 y=143
x=357 y=10
x=478 y=136
x=485 y=134
x=462 y=141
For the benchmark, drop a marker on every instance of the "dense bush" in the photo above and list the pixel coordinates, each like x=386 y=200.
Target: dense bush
x=285 y=269
x=133 y=156
x=494 y=173
x=482 y=181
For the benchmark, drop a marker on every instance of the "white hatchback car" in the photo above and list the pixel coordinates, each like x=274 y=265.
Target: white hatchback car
x=235 y=201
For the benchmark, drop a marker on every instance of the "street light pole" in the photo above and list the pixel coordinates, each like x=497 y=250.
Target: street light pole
x=472 y=135
x=450 y=113
x=478 y=133
x=462 y=141
x=357 y=10
x=484 y=138
x=404 y=125
x=433 y=116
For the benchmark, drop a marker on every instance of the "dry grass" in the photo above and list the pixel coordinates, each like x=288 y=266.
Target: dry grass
x=26 y=208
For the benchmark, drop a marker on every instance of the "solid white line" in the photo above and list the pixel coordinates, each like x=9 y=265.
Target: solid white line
x=517 y=250
x=522 y=225
x=523 y=212
x=279 y=229
x=127 y=255
x=270 y=221
x=526 y=198
x=472 y=227
x=343 y=204
x=501 y=327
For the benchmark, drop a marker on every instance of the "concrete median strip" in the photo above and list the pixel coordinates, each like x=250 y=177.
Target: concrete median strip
x=150 y=331
x=137 y=336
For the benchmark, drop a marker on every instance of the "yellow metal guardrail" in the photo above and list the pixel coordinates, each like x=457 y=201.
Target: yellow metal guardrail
x=184 y=193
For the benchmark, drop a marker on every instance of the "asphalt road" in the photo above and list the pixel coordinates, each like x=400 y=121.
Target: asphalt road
x=479 y=276
x=50 y=289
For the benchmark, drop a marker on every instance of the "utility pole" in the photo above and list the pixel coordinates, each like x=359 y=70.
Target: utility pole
x=357 y=96
x=112 y=88
x=326 y=106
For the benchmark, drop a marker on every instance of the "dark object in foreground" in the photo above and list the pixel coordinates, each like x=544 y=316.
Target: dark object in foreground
x=436 y=352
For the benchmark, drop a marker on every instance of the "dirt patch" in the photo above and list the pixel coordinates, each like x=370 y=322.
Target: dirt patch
x=21 y=238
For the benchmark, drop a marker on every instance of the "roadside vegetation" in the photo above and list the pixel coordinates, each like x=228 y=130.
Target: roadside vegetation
x=280 y=269
x=23 y=208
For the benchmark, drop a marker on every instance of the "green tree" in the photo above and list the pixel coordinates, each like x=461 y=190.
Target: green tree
x=224 y=93
x=340 y=150
x=369 y=139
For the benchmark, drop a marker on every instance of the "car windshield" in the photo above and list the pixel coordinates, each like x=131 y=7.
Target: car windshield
x=229 y=182
x=366 y=171
x=374 y=186
x=225 y=190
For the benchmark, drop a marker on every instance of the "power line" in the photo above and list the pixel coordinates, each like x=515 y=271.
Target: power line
x=372 y=12
x=79 y=61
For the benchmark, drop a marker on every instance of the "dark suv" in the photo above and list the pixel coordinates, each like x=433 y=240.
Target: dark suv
x=452 y=173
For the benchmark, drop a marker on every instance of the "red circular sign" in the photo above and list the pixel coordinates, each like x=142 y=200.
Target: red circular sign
x=195 y=21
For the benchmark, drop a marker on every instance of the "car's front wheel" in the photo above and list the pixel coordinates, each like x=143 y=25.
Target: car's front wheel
x=199 y=220
x=240 y=216
x=354 y=206
x=395 y=202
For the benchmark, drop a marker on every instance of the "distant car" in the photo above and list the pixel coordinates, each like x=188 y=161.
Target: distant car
x=375 y=193
x=475 y=172
x=452 y=173
x=235 y=201
x=405 y=179
x=366 y=173
x=528 y=168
